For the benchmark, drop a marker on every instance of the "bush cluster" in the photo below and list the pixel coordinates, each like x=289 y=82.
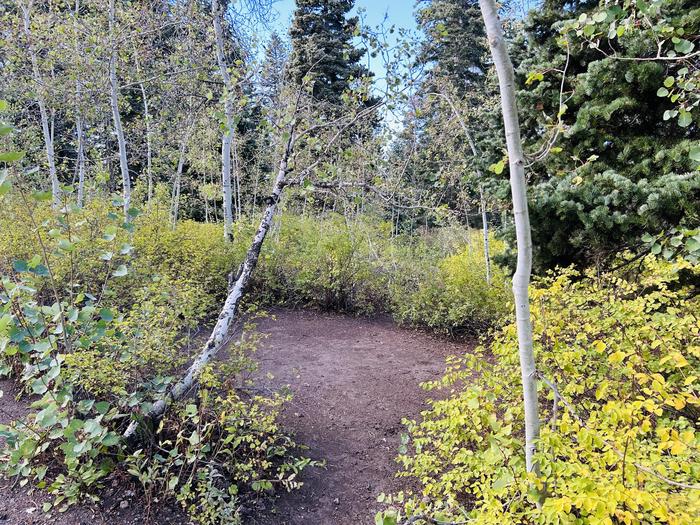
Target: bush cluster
x=619 y=440
x=436 y=281
x=97 y=318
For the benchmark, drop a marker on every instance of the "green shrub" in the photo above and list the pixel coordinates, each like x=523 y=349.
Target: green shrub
x=97 y=329
x=453 y=297
x=324 y=263
x=623 y=351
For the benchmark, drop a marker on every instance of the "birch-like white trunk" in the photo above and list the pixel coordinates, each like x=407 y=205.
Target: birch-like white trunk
x=521 y=279
x=80 y=160
x=227 y=136
x=114 y=101
x=80 y=153
x=149 y=151
x=175 y=205
x=43 y=111
x=219 y=335
x=485 y=224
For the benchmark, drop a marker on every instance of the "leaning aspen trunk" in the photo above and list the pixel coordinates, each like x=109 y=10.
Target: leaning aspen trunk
x=485 y=224
x=521 y=279
x=218 y=338
x=227 y=136
x=119 y=130
x=43 y=112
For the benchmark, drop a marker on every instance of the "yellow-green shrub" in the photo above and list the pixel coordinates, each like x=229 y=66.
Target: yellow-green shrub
x=452 y=297
x=621 y=445
x=324 y=263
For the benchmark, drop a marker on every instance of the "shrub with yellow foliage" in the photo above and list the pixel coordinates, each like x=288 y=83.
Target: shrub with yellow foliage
x=618 y=356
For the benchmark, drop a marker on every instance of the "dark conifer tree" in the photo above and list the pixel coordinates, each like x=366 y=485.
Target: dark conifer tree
x=322 y=47
x=455 y=43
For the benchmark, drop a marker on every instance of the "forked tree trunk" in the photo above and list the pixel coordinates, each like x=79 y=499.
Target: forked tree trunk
x=521 y=279
x=227 y=136
x=114 y=101
x=43 y=111
x=218 y=338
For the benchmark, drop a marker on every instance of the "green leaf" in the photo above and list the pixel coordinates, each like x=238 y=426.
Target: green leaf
x=41 y=196
x=11 y=156
x=695 y=152
x=110 y=233
x=20 y=266
x=38 y=387
x=106 y=314
x=662 y=92
x=684 y=119
x=85 y=405
x=121 y=271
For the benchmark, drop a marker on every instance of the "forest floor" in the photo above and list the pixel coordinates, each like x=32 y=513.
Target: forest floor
x=352 y=379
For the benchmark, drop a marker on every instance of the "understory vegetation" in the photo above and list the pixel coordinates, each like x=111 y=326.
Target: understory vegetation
x=525 y=175
x=128 y=302
x=618 y=355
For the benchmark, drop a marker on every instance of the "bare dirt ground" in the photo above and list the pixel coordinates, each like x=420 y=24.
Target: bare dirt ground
x=353 y=380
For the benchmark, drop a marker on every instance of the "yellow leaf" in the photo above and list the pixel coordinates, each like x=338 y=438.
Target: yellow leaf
x=616 y=357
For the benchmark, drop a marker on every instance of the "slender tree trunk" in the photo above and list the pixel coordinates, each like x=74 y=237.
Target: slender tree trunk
x=485 y=224
x=175 y=204
x=43 y=112
x=227 y=136
x=149 y=150
x=218 y=338
x=521 y=279
x=114 y=100
x=80 y=153
x=80 y=166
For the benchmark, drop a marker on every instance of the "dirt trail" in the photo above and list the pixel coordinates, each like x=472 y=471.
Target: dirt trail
x=353 y=381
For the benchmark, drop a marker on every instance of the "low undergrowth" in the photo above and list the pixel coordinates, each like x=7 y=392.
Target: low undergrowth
x=619 y=439
x=95 y=324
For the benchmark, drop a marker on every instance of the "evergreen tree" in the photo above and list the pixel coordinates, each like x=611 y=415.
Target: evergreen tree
x=618 y=167
x=273 y=69
x=455 y=43
x=322 y=47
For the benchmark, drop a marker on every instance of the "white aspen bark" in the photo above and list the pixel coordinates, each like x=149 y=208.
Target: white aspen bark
x=477 y=160
x=149 y=154
x=485 y=223
x=521 y=279
x=227 y=136
x=219 y=335
x=237 y=180
x=80 y=153
x=43 y=112
x=147 y=122
x=175 y=205
x=114 y=100
x=80 y=158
